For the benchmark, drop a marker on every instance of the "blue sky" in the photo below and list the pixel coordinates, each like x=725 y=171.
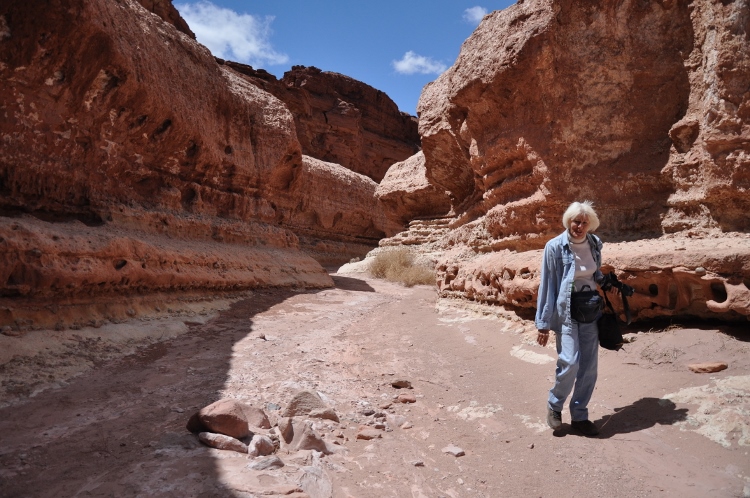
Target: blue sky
x=396 y=46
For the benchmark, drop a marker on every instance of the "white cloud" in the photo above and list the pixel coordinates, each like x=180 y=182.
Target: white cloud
x=412 y=63
x=474 y=15
x=229 y=35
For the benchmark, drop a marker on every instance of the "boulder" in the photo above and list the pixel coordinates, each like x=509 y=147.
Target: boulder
x=222 y=442
x=303 y=403
x=225 y=416
x=260 y=446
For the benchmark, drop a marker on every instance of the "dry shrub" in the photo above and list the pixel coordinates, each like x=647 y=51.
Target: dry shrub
x=398 y=266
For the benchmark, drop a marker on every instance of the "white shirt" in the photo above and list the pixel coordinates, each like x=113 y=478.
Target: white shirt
x=585 y=264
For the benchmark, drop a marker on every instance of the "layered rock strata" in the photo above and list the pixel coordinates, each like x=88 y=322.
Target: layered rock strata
x=341 y=120
x=406 y=193
x=641 y=107
x=133 y=163
x=672 y=277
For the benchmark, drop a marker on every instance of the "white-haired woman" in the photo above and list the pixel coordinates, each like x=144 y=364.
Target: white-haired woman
x=571 y=261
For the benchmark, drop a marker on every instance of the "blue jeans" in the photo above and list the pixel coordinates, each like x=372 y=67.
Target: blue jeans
x=577 y=363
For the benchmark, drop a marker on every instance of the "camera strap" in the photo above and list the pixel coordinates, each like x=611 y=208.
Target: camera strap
x=625 y=306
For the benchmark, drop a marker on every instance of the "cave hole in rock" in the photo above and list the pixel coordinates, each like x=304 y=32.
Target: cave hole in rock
x=192 y=149
x=653 y=289
x=718 y=292
x=164 y=126
x=120 y=264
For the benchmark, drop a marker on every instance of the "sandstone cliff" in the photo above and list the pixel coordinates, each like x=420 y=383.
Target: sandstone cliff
x=133 y=164
x=641 y=107
x=341 y=120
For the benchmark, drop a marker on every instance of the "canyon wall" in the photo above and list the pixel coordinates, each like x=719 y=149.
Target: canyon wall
x=134 y=164
x=641 y=107
x=341 y=120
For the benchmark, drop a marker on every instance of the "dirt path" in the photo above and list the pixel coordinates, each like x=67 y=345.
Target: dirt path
x=479 y=382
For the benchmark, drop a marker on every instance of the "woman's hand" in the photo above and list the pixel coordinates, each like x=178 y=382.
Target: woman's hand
x=542 y=337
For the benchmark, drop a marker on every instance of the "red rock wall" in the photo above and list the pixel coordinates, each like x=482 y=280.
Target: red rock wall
x=641 y=107
x=553 y=101
x=341 y=120
x=132 y=163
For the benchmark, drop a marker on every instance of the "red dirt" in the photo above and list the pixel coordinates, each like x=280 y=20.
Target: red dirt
x=118 y=428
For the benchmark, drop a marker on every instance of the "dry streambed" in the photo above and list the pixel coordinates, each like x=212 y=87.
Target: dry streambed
x=413 y=398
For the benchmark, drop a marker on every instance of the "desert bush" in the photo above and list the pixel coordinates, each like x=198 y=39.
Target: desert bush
x=399 y=266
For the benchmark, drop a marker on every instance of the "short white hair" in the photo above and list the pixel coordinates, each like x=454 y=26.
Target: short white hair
x=585 y=208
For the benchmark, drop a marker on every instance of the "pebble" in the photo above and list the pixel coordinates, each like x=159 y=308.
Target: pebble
x=266 y=463
x=368 y=433
x=406 y=398
x=454 y=450
x=709 y=367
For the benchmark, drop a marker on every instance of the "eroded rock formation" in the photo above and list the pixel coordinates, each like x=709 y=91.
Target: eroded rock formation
x=641 y=107
x=406 y=193
x=133 y=163
x=341 y=120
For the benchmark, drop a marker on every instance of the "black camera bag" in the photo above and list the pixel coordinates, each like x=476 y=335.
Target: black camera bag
x=610 y=330
x=585 y=305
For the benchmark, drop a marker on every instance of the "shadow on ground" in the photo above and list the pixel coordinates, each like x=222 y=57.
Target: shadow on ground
x=642 y=414
x=121 y=426
x=351 y=284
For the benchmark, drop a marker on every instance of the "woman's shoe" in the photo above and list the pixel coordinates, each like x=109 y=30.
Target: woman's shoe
x=554 y=419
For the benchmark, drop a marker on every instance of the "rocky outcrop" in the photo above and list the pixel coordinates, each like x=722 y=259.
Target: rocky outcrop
x=133 y=163
x=641 y=107
x=672 y=277
x=341 y=120
x=406 y=193
x=165 y=10
x=333 y=211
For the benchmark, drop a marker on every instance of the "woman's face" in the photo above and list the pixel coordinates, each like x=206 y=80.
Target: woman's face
x=579 y=226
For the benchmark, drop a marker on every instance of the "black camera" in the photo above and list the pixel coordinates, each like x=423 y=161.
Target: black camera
x=612 y=281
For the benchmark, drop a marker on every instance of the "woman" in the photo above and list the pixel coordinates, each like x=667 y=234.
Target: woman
x=571 y=260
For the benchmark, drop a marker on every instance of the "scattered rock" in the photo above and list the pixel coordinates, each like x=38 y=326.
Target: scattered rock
x=308 y=439
x=303 y=403
x=406 y=398
x=453 y=450
x=195 y=425
x=531 y=446
x=10 y=331
x=256 y=417
x=225 y=416
x=366 y=432
x=286 y=429
x=708 y=367
x=327 y=414
x=401 y=384
x=417 y=463
x=266 y=463
x=395 y=420
x=222 y=442
x=260 y=446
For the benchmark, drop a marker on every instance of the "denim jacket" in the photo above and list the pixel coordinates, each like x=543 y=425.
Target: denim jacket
x=556 y=282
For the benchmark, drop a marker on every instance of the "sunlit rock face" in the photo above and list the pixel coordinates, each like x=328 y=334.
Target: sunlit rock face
x=406 y=193
x=341 y=120
x=133 y=163
x=641 y=107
